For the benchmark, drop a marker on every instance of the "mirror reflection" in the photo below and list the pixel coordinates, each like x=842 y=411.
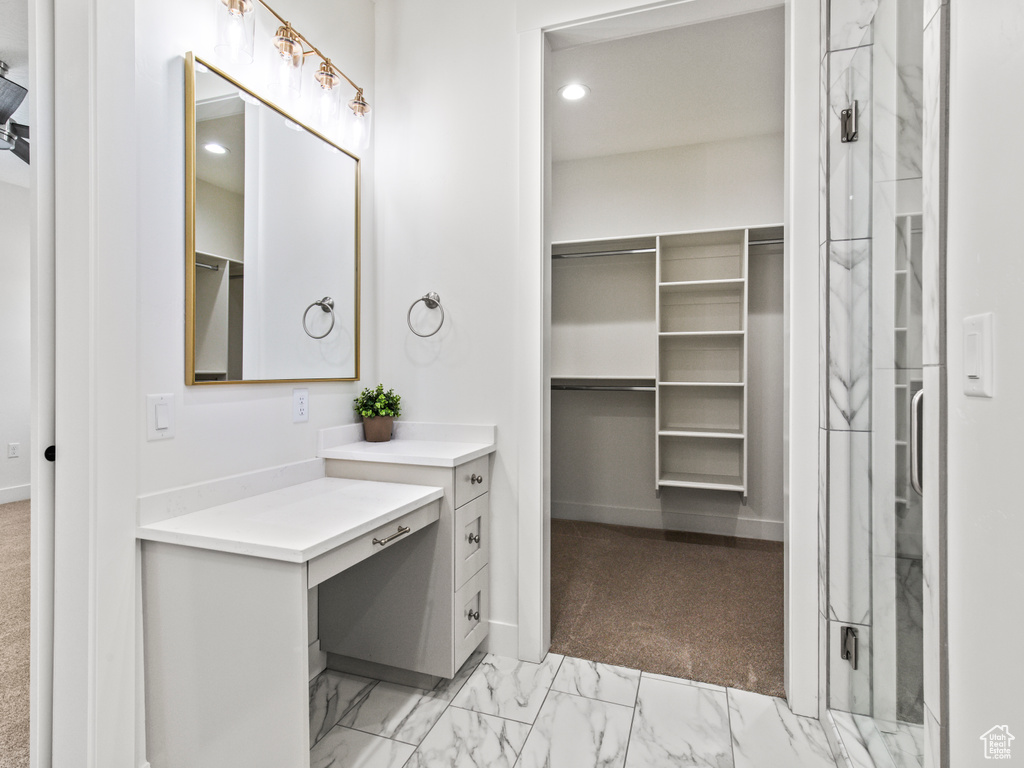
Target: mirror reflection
x=273 y=246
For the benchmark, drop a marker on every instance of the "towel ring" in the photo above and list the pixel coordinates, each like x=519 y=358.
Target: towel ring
x=433 y=301
x=327 y=305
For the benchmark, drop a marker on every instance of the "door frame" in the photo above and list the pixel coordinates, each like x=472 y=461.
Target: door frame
x=803 y=28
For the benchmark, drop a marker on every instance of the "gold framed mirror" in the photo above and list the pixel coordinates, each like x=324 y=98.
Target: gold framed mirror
x=272 y=261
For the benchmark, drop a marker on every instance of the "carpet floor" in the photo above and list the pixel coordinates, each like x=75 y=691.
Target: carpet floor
x=14 y=633
x=706 y=608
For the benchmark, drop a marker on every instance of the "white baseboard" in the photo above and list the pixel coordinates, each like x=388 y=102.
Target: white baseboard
x=15 y=493
x=691 y=522
x=503 y=639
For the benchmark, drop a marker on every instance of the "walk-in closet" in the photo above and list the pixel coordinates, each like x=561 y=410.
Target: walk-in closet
x=667 y=347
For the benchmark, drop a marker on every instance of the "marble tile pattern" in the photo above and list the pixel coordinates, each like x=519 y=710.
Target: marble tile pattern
x=823 y=481
x=909 y=641
x=849 y=528
x=850 y=164
x=849 y=334
x=616 y=685
x=850 y=23
x=931 y=575
x=862 y=741
x=669 y=722
x=933 y=269
x=849 y=688
x=331 y=696
x=823 y=331
x=677 y=724
x=766 y=734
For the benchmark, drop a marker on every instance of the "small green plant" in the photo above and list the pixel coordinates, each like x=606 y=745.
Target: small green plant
x=377 y=402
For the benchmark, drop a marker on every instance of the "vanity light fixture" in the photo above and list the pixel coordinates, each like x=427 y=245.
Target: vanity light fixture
x=573 y=91
x=234 y=42
x=215 y=148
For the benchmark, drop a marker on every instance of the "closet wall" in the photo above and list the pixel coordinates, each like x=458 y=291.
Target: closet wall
x=603 y=323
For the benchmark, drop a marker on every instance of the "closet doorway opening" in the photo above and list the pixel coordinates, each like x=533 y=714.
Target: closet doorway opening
x=667 y=351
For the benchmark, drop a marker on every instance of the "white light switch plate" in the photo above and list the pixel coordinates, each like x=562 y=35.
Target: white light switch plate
x=159 y=417
x=979 y=356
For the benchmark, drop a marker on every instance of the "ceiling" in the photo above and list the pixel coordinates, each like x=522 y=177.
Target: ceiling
x=224 y=171
x=14 y=51
x=711 y=81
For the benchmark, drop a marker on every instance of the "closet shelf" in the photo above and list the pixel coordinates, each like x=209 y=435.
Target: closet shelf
x=701 y=384
x=694 y=480
x=711 y=433
x=697 y=285
x=702 y=333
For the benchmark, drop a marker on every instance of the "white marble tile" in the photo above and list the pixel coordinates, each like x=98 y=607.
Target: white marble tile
x=849 y=171
x=823 y=681
x=932 y=740
x=574 y=732
x=446 y=690
x=849 y=688
x=345 y=748
x=508 y=688
x=909 y=642
x=679 y=725
x=933 y=280
x=823 y=332
x=849 y=335
x=931 y=542
x=905 y=743
x=766 y=734
x=849 y=530
x=616 y=685
x=331 y=695
x=464 y=739
x=683 y=681
x=930 y=8
x=823 y=460
x=396 y=712
x=884 y=651
x=910 y=107
x=823 y=31
x=850 y=23
x=862 y=741
x=823 y=129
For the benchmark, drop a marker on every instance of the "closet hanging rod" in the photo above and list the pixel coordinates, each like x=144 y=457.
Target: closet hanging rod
x=214 y=267
x=602 y=253
x=601 y=388
x=767 y=242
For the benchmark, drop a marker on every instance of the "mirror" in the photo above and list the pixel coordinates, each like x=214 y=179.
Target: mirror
x=272 y=241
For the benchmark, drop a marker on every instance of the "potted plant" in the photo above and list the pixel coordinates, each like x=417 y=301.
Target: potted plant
x=379 y=410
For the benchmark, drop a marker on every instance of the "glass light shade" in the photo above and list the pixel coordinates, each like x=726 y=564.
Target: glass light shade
x=327 y=100
x=358 y=119
x=286 y=65
x=236 y=24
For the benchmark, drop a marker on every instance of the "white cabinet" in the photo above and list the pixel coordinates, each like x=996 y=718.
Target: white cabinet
x=430 y=620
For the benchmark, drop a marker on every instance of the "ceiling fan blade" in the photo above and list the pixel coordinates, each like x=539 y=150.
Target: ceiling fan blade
x=19 y=130
x=21 y=150
x=11 y=96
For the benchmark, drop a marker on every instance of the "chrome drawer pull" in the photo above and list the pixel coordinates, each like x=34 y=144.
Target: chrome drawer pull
x=476 y=479
x=474 y=538
x=474 y=615
x=400 y=532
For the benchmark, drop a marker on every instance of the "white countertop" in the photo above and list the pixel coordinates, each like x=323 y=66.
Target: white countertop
x=414 y=443
x=294 y=524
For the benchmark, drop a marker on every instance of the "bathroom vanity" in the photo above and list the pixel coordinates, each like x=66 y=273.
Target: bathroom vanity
x=383 y=555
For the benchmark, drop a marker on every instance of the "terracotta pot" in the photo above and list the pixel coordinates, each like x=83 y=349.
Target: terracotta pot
x=377 y=429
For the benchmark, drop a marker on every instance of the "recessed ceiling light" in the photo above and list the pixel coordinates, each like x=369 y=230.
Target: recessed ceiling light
x=217 y=149
x=573 y=91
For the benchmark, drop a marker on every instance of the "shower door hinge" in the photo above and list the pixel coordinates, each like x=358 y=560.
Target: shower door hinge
x=848 y=127
x=848 y=645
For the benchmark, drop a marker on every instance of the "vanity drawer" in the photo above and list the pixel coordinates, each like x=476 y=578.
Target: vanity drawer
x=472 y=538
x=340 y=558
x=471 y=480
x=472 y=614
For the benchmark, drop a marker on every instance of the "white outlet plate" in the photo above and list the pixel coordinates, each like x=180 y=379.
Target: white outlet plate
x=979 y=356
x=159 y=417
x=300 y=405
x=13 y=450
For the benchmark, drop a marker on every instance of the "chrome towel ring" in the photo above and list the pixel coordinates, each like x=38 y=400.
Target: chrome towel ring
x=432 y=301
x=327 y=305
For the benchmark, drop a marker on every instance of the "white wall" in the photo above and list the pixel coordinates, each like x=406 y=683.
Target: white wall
x=14 y=341
x=223 y=430
x=219 y=217
x=985 y=534
x=702 y=186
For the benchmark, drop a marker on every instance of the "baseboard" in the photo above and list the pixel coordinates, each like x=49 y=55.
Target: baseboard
x=691 y=522
x=145 y=765
x=15 y=493
x=317 y=659
x=503 y=639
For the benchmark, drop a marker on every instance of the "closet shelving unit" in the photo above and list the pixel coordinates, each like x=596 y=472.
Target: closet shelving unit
x=214 y=318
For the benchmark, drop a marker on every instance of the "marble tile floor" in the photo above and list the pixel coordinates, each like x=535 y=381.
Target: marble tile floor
x=870 y=743
x=561 y=713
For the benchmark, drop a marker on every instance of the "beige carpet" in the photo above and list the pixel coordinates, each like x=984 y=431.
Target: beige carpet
x=706 y=608
x=14 y=632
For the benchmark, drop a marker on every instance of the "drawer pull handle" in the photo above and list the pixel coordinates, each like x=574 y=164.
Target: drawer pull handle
x=474 y=615
x=476 y=479
x=474 y=538
x=402 y=530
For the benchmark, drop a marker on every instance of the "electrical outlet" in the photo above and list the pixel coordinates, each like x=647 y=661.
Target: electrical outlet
x=13 y=450
x=300 y=405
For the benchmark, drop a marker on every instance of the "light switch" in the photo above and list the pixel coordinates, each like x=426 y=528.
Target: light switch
x=979 y=356
x=159 y=417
